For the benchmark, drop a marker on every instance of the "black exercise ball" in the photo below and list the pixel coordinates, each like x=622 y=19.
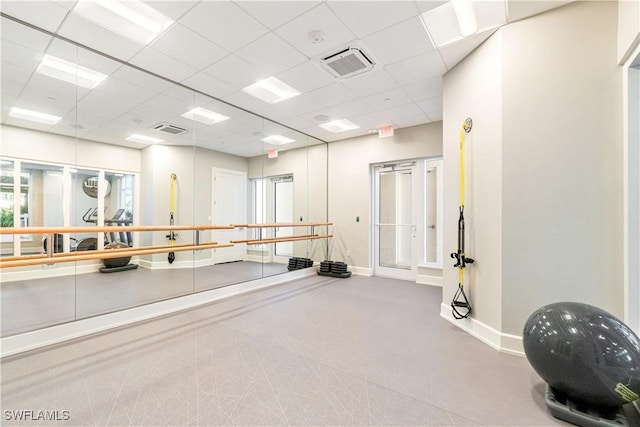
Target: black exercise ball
x=584 y=353
x=116 y=262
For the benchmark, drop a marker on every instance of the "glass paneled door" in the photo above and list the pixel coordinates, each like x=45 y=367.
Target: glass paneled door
x=397 y=199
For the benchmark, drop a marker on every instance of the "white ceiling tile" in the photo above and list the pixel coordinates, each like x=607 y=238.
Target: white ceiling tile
x=18 y=56
x=406 y=122
x=43 y=14
x=94 y=36
x=306 y=77
x=370 y=83
x=367 y=17
x=417 y=68
x=275 y=13
x=27 y=123
x=142 y=79
x=124 y=89
x=186 y=46
x=435 y=116
x=210 y=85
x=103 y=105
x=170 y=104
x=161 y=64
x=23 y=36
x=431 y=104
x=400 y=42
x=424 y=89
x=332 y=95
x=10 y=88
x=293 y=107
x=426 y=5
x=56 y=102
x=520 y=9
x=271 y=54
x=171 y=9
x=224 y=23
x=320 y=18
x=388 y=99
x=455 y=52
x=236 y=71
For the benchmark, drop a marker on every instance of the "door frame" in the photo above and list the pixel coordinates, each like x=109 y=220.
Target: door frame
x=416 y=224
x=216 y=253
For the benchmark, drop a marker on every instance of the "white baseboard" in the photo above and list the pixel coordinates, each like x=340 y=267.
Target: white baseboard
x=424 y=279
x=55 y=334
x=505 y=343
x=360 y=271
x=47 y=271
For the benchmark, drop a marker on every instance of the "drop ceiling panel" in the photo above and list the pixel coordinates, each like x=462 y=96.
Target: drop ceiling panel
x=435 y=115
x=23 y=36
x=306 y=77
x=104 y=105
x=370 y=83
x=387 y=99
x=236 y=71
x=401 y=41
x=407 y=115
x=332 y=95
x=275 y=13
x=293 y=107
x=168 y=104
x=43 y=14
x=14 y=55
x=126 y=90
x=208 y=84
x=186 y=46
x=159 y=63
x=417 y=68
x=431 y=105
x=12 y=121
x=79 y=29
x=58 y=102
x=424 y=89
x=271 y=54
x=320 y=18
x=367 y=17
x=10 y=88
x=142 y=79
x=172 y=9
x=224 y=23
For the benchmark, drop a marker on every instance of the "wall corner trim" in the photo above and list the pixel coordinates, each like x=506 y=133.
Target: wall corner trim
x=505 y=343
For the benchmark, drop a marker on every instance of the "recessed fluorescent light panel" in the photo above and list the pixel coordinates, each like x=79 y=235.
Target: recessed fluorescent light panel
x=34 y=116
x=271 y=90
x=278 y=140
x=205 y=116
x=132 y=18
x=143 y=139
x=339 y=125
x=70 y=72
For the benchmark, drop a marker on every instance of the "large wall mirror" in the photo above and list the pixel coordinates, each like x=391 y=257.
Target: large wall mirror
x=89 y=142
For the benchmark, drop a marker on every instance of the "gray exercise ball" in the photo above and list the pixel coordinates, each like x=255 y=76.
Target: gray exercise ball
x=116 y=262
x=584 y=353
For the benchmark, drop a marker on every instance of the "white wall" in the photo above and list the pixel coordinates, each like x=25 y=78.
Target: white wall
x=474 y=89
x=554 y=197
x=349 y=184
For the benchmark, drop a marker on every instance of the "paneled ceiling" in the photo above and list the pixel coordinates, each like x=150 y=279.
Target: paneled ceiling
x=220 y=47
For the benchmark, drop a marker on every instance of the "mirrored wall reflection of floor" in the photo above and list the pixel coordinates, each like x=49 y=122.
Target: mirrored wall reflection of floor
x=315 y=351
x=31 y=304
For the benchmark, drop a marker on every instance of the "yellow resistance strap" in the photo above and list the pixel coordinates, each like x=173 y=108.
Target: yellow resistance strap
x=460 y=304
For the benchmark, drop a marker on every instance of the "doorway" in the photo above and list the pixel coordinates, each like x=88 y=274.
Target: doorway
x=396 y=201
x=229 y=200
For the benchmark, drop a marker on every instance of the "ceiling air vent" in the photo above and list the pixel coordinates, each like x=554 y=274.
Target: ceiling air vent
x=348 y=62
x=170 y=129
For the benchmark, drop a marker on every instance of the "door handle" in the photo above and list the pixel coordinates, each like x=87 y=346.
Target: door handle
x=432 y=226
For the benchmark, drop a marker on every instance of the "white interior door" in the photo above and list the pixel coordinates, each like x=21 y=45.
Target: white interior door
x=396 y=199
x=229 y=207
x=283 y=213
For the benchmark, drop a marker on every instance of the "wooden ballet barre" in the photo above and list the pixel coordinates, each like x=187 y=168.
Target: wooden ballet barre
x=109 y=228
x=282 y=239
x=95 y=251
x=109 y=253
x=284 y=224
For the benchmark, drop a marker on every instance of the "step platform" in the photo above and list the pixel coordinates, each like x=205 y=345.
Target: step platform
x=583 y=415
x=334 y=269
x=297 y=263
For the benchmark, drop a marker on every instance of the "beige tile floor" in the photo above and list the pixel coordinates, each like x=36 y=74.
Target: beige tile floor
x=317 y=351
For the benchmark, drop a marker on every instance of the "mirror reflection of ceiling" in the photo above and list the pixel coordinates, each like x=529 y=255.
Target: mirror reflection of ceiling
x=373 y=64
